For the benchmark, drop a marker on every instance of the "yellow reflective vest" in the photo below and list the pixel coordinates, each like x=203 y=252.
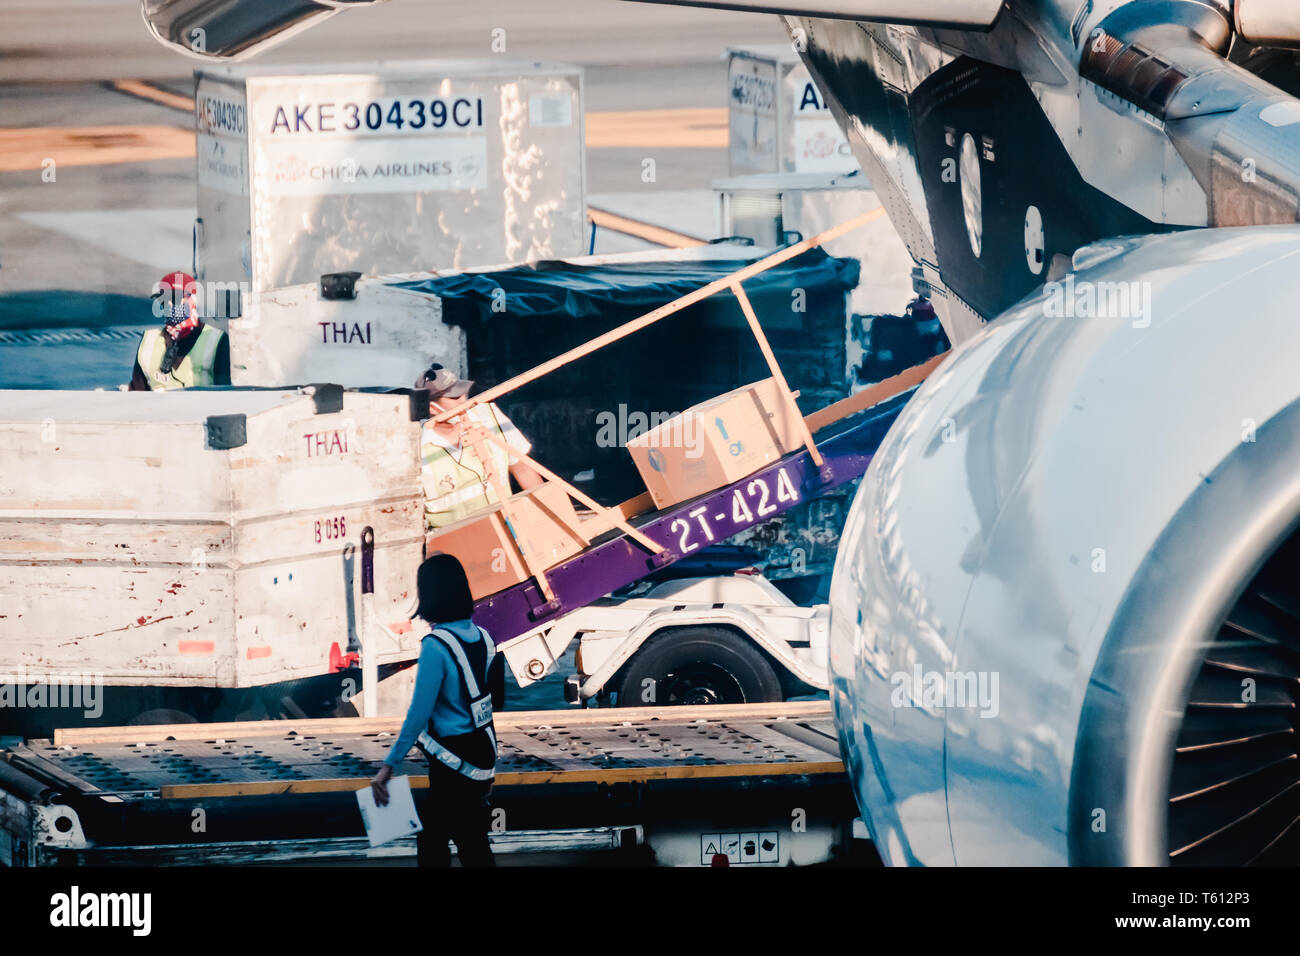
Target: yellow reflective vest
x=456 y=481
x=196 y=368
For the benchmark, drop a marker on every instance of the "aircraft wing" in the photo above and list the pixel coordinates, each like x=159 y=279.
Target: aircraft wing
x=238 y=29
x=957 y=14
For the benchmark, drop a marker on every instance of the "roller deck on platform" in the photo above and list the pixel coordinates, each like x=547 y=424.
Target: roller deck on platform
x=647 y=784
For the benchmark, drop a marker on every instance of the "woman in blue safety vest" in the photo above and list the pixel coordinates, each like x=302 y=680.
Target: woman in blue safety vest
x=459 y=682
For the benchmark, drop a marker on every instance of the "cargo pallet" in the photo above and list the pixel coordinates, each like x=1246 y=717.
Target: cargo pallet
x=721 y=785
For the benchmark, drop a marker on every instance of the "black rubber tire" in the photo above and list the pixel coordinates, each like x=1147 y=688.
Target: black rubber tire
x=156 y=705
x=698 y=665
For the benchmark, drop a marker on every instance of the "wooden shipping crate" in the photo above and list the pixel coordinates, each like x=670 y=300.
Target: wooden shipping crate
x=207 y=538
x=716 y=442
x=545 y=521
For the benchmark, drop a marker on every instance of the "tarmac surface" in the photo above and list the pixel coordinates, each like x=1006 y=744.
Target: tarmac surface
x=81 y=250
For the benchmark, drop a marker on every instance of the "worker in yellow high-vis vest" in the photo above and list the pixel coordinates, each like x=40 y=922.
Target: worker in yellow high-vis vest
x=457 y=482
x=186 y=351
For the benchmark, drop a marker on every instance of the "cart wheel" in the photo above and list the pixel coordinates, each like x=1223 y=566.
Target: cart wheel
x=698 y=665
x=344 y=708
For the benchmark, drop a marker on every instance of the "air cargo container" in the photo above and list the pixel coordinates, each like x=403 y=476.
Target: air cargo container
x=197 y=554
x=778 y=119
x=384 y=168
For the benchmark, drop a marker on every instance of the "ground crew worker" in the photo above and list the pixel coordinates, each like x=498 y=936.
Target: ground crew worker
x=185 y=352
x=457 y=483
x=459 y=681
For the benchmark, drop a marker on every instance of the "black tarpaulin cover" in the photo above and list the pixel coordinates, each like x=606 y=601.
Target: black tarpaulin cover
x=704 y=350
x=562 y=288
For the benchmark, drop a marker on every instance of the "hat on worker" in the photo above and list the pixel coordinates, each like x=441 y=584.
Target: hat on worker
x=443 y=383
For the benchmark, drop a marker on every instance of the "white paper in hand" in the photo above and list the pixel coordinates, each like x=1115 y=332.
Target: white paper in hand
x=397 y=819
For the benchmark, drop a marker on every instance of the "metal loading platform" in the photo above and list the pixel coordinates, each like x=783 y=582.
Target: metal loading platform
x=748 y=784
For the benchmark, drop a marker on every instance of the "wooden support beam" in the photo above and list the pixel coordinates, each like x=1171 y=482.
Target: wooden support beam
x=613 y=515
x=476 y=436
x=598 y=716
x=874 y=394
x=230 y=730
x=262 y=788
x=774 y=367
x=642 y=230
x=506 y=720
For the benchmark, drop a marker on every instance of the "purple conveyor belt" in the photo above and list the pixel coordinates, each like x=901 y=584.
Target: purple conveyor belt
x=607 y=565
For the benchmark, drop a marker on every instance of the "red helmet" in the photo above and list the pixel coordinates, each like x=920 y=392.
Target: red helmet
x=180 y=281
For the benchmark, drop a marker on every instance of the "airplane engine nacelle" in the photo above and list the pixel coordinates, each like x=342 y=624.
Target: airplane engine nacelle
x=1268 y=22
x=1066 y=610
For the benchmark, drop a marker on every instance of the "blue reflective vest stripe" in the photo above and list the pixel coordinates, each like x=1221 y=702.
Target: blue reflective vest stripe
x=480 y=707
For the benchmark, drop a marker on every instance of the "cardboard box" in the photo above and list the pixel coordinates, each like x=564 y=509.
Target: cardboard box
x=544 y=520
x=716 y=442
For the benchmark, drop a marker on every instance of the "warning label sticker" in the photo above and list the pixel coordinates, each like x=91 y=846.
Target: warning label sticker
x=740 y=848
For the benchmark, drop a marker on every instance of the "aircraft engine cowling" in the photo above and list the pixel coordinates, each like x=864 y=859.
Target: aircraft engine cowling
x=1065 y=613
x=1268 y=22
